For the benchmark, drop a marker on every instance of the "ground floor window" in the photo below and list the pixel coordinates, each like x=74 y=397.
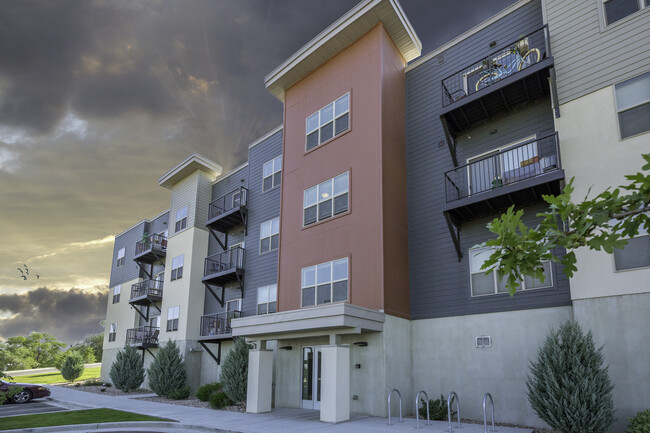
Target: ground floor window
x=635 y=255
x=172 y=318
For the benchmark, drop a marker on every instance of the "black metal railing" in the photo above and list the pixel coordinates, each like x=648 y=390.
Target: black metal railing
x=510 y=59
x=234 y=199
x=223 y=261
x=144 y=335
x=155 y=242
x=147 y=288
x=218 y=323
x=503 y=167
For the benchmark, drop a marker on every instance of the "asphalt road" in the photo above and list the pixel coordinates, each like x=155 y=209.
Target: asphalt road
x=29 y=408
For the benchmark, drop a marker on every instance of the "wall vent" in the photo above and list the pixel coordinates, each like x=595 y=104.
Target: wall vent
x=441 y=58
x=483 y=341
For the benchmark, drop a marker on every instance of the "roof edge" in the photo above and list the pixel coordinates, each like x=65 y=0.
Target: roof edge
x=201 y=160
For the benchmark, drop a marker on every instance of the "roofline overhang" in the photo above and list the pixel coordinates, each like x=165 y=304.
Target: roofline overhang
x=189 y=165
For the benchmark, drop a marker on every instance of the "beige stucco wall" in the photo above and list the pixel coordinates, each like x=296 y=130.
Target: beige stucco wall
x=120 y=313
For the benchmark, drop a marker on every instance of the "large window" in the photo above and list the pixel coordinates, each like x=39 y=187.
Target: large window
x=120 y=258
x=267 y=298
x=181 y=219
x=177 y=267
x=112 y=332
x=328 y=122
x=272 y=173
x=635 y=255
x=325 y=283
x=326 y=199
x=633 y=105
x=489 y=284
x=172 y=318
x=615 y=10
x=116 y=293
x=269 y=235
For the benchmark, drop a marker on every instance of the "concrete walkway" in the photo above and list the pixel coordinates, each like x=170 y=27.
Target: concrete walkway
x=278 y=421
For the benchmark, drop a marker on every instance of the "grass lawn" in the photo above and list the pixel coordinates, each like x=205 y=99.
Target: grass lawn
x=49 y=378
x=87 y=416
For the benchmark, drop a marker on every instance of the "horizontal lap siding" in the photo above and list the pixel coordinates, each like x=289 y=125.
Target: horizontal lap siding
x=130 y=270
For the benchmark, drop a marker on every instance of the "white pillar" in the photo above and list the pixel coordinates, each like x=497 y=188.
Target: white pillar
x=335 y=383
x=260 y=381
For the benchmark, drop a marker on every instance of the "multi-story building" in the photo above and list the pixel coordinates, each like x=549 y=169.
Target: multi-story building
x=347 y=247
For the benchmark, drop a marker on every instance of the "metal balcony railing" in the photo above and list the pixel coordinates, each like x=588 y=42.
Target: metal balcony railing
x=234 y=199
x=509 y=60
x=226 y=260
x=151 y=242
x=147 y=288
x=218 y=323
x=142 y=336
x=504 y=167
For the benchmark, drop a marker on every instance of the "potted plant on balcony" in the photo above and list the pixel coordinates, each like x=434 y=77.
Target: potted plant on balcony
x=497 y=182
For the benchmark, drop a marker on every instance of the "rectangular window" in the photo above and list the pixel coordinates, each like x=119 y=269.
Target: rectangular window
x=635 y=255
x=154 y=321
x=267 y=297
x=618 y=9
x=112 y=331
x=172 y=318
x=181 y=219
x=233 y=305
x=633 y=105
x=328 y=122
x=325 y=283
x=269 y=235
x=272 y=173
x=326 y=199
x=120 y=258
x=489 y=284
x=177 y=267
x=116 y=293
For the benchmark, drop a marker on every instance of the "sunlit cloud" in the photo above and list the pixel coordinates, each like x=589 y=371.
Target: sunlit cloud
x=72 y=124
x=75 y=245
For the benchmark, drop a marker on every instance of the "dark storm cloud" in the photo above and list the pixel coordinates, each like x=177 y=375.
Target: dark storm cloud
x=69 y=315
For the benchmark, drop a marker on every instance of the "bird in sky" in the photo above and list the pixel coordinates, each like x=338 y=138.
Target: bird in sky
x=26 y=269
x=22 y=274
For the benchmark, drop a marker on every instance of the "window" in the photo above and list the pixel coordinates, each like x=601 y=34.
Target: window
x=635 y=255
x=327 y=199
x=325 y=283
x=233 y=305
x=120 y=258
x=269 y=235
x=172 y=318
x=112 y=331
x=181 y=219
x=116 y=293
x=154 y=322
x=618 y=9
x=177 y=267
x=272 y=173
x=328 y=122
x=633 y=105
x=267 y=297
x=489 y=284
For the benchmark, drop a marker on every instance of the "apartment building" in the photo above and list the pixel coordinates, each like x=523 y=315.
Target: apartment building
x=346 y=248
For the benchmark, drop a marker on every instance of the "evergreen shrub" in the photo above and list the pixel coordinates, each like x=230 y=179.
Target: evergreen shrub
x=127 y=371
x=437 y=409
x=640 y=423
x=72 y=367
x=219 y=399
x=181 y=393
x=204 y=392
x=167 y=371
x=234 y=371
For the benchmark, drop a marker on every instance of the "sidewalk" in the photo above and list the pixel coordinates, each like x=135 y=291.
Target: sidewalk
x=278 y=421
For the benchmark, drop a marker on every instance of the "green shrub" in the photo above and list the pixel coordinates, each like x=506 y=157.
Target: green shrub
x=180 y=393
x=234 y=371
x=72 y=367
x=437 y=409
x=640 y=423
x=568 y=387
x=167 y=371
x=204 y=392
x=219 y=399
x=92 y=382
x=8 y=395
x=127 y=371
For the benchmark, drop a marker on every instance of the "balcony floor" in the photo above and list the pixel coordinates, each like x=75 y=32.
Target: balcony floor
x=150 y=256
x=227 y=220
x=145 y=300
x=215 y=338
x=224 y=277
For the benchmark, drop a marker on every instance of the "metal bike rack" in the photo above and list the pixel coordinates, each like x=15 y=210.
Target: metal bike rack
x=485 y=412
x=400 y=405
x=417 y=409
x=453 y=394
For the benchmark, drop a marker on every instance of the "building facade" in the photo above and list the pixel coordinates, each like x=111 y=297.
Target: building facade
x=347 y=248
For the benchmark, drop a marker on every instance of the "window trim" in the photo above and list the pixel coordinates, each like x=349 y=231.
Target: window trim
x=174 y=270
x=270 y=237
x=238 y=300
x=183 y=221
x=112 y=332
x=642 y=5
x=173 y=321
x=332 y=281
x=120 y=257
x=257 y=300
x=318 y=202
x=273 y=173
x=618 y=111
x=617 y=271
x=116 y=296
x=334 y=117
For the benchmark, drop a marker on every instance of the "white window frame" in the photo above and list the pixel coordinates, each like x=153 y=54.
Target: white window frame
x=601 y=9
x=177 y=264
x=276 y=167
x=120 y=257
x=619 y=110
x=238 y=301
x=181 y=219
x=155 y=319
x=116 y=293
x=322 y=197
x=112 y=332
x=314 y=268
x=271 y=232
x=271 y=298
x=335 y=115
x=173 y=313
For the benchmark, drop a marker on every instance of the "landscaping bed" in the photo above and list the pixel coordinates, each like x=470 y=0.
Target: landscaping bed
x=107 y=390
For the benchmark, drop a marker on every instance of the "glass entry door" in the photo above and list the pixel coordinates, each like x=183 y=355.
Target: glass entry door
x=310 y=394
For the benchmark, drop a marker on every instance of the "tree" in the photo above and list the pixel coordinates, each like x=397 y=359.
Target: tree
x=96 y=343
x=127 y=371
x=568 y=387
x=85 y=352
x=38 y=349
x=234 y=371
x=601 y=223
x=72 y=367
x=167 y=371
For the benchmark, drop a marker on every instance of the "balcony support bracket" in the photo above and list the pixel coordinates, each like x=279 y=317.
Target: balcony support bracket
x=156 y=307
x=150 y=353
x=244 y=218
x=223 y=291
x=454 y=231
x=149 y=272
x=451 y=144
x=146 y=318
x=215 y=235
x=217 y=358
x=240 y=280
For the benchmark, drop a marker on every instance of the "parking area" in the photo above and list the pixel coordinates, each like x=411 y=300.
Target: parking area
x=28 y=408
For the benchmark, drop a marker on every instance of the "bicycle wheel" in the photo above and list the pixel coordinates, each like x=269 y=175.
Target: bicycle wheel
x=486 y=80
x=530 y=58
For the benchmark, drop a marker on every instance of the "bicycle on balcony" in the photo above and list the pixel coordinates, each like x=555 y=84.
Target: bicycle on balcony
x=492 y=71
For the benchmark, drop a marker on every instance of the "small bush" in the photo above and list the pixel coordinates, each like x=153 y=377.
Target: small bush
x=8 y=395
x=234 y=371
x=92 y=382
x=640 y=423
x=204 y=392
x=72 y=367
x=180 y=393
x=127 y=371
x=167 y=371
x=219 y=399
x=437 y=409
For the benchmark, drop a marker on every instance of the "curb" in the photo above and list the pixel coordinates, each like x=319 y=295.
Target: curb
x=67 y=404
x=121 y=425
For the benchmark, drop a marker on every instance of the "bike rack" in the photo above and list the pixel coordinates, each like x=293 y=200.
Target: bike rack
x=390 y=394
x=417 y=409
x=453 y=394
x=485 y=412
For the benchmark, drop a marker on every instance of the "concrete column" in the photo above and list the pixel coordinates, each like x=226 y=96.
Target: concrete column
x=260 y=381
x=335 y=384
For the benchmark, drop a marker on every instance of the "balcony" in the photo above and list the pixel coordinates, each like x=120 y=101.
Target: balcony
x=151 y=249
x=217 y=326
x=515 y=74
x=228 y=211
x=224 y=267
x=144 y=337
x=146 y=292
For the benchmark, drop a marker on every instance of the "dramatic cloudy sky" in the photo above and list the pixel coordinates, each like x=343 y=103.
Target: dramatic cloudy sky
x=100 y=98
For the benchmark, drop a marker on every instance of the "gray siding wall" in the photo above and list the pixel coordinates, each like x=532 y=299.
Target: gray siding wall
x=158 y=225
x=130 y=270
x=588 y=55
x=439 y=283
